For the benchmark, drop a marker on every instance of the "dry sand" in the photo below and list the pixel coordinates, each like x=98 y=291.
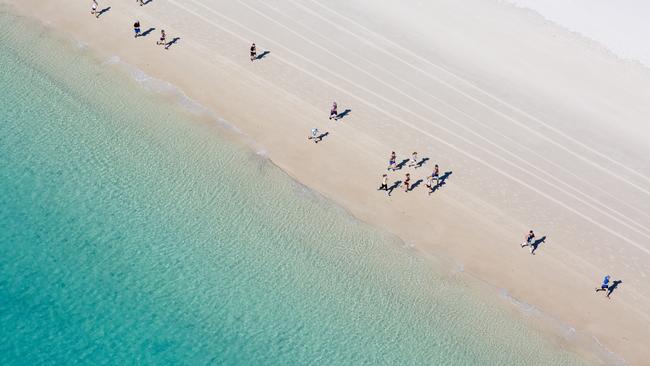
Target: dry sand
x=542 y=130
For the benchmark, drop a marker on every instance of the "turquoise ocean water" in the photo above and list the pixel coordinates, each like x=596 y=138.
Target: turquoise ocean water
x=132 y=233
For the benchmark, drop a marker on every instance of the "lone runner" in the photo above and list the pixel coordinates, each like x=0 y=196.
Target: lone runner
x=253 y=52
x=529 y=241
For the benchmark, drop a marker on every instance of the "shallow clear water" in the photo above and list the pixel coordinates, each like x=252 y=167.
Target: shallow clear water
x=135 y=234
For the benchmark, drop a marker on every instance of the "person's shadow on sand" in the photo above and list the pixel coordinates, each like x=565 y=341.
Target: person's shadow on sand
x=441 y=182
x=613 y=287
x=320 y=137
x=342 y=114
x=147 y=32
x=537 y=243
x=395 y=185
x=401 y=164
x=421 y=163
x=172 y=42
x=262 y=55
x=414 y=185
x=101 y=12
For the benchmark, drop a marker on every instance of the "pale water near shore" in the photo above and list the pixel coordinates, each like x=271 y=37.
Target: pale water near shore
x=133 y=233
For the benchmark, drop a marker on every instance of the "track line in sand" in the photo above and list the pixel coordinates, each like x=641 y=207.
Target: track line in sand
x=460 y=137
x=457 y=123
x=457 y=110
x=484 y=92
x=496 y=132
x=404 y=122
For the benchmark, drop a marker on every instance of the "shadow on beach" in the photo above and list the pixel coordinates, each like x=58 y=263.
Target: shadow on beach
x=262 y=55
x=342 y=114
x=172 y=42
x=414 y=185
x=147 y=32
x=401 y=164
x=101 y=12
x=613 y=287
x=537 y=243
x=421 y=163
x=441 y=181
x=394 y=186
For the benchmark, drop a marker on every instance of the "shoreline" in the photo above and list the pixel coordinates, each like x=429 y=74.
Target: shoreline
x=559 y=334
x=286 y=161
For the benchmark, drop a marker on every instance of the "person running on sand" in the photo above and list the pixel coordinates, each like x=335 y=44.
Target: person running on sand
x=253 y=52
x=136 y=28
x=392 y=165
x=605 y=284
x=163 y=38
x=529 y=241
x=407 y=182
x=141 y=2
x=429 y=184
x=94 y=10
x=414 y=160
x=436 y=174
x=314 y=135
x=334 y=111
x=384 y=183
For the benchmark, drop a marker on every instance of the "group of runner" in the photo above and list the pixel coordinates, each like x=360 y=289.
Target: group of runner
x=415 y=163
x=316 y=136
x=137 y=30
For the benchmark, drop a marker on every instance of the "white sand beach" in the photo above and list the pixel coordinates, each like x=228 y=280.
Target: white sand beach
x=539 y=128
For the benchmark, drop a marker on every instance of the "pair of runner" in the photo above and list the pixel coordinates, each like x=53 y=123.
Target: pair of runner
x=434 y=176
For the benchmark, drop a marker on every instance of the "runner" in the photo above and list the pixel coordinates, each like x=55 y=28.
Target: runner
x=384 y=183
x=605 y=284
x=314 y=135
x=163 y=37
x=334 y=111
x=429 y=184
x=407 y=182
x=436 y=174
x=253 y=52
x=391 y=163
x=136 y=28
x=93 y=10
x=530 y=238
x=141 y=2
x=414 y=160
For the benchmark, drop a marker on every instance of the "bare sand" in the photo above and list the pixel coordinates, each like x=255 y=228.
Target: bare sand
x=540 y=128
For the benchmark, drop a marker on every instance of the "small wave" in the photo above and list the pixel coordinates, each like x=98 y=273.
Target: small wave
x=568 y=332
x=112 y=60
x=163 y=87
x=525 y=307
